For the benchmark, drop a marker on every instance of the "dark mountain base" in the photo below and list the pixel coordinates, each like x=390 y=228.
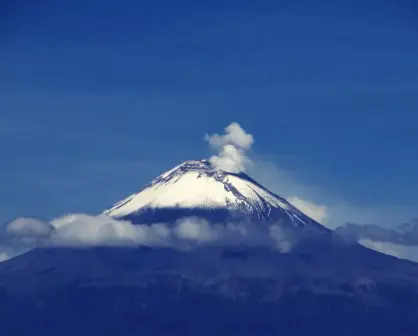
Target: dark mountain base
x=208 y=291
x=129 y=311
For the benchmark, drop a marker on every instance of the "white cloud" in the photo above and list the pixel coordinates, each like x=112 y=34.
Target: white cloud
x=4 y=256
x=28 y=227
x=196 y=229
x=21 y=234
x=81 y=229
x=232 y=148
x=315 y=211
x=85 y=230
x=396 y=250
x=282 y=241
x=101 y=230
x=7 y=251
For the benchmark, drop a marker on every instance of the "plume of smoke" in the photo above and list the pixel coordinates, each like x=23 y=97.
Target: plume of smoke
x=234 y=135
x=232 y=149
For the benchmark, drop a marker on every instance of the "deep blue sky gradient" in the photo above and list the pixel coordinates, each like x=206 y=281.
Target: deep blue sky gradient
x=98 y=97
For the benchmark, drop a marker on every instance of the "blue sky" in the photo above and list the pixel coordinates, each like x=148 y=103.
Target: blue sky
x=98 y=97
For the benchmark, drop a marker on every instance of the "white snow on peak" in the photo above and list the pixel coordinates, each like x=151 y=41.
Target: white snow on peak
x=195 y=184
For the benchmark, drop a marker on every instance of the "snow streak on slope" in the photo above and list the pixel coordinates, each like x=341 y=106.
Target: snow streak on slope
x=196 y=185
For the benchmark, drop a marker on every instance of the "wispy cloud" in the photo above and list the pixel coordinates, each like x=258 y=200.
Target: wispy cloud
x=315 y=211
x=23 y=234
x=396 y=250
x=401 y=241
x=404 y=234
x=81 y=230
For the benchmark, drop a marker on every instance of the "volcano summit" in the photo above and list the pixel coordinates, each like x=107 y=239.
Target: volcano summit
x=195 y=188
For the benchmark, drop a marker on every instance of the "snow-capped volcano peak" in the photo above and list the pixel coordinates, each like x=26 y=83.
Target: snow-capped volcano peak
x=195 y=188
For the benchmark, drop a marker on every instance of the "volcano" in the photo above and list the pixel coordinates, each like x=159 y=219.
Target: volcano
x=324 y=285
x=195 y=188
